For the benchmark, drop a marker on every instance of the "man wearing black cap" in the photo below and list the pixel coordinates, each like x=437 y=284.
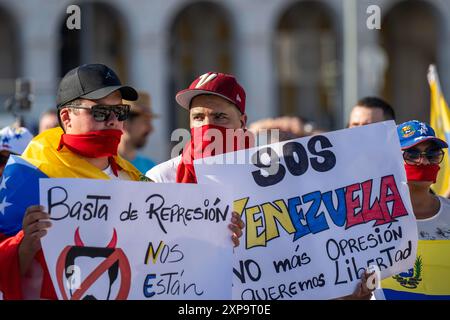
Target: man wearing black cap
x=91 y=114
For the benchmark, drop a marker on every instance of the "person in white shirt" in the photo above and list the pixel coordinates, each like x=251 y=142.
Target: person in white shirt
x=422 y=154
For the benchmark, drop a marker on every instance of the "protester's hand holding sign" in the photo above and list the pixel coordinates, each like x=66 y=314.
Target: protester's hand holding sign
x=35 y=225
x=236 y=226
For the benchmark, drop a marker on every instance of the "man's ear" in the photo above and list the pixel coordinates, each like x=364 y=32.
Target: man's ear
x=64 y=115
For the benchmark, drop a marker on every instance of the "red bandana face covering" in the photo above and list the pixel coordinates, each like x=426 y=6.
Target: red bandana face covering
x=422 y=172
x=204 y=143
x=94 y=144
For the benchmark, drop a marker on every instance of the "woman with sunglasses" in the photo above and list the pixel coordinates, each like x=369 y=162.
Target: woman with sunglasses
x=422 y=154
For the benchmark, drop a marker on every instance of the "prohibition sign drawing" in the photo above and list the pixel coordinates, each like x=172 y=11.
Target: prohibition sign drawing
x=115 y=261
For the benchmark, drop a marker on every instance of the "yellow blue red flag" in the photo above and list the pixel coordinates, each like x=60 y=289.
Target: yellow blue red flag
x=440 y=121
x=428 y=279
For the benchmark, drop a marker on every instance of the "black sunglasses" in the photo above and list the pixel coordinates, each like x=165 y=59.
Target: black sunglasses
x=102 y=113
x=434 y=156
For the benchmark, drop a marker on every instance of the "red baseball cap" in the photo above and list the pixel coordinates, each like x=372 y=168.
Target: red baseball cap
x=215 y=83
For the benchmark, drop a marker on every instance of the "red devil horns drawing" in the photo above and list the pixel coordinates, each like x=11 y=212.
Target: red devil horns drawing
x=79 y=243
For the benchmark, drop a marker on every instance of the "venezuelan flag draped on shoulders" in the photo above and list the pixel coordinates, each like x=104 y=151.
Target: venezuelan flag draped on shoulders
x=19 y=189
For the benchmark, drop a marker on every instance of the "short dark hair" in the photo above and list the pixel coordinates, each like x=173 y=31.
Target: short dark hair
x=374 y=102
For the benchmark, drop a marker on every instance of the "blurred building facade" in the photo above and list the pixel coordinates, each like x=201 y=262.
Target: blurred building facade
x=310 y=58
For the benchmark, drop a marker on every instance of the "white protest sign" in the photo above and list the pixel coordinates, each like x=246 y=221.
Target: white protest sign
x=336 y=204
x=137 y=240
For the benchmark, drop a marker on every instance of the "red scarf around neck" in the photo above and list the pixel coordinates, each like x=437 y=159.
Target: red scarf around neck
x=204 y=143
x=94 y=144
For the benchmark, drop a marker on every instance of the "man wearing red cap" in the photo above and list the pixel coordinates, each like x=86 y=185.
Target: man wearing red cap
x=216 y=102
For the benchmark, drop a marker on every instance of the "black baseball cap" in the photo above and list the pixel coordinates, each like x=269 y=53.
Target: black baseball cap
x=91 y=81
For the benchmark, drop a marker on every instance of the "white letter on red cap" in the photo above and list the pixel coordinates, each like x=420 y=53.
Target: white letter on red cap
x=205 y=78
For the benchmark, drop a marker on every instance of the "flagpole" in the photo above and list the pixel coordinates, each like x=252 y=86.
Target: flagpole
x=433 y=76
